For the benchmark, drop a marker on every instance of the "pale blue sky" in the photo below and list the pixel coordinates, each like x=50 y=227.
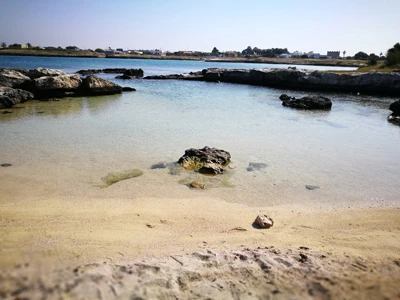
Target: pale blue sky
x=352 y=25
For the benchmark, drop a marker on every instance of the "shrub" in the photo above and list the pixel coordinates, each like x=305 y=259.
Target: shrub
x=393 y=55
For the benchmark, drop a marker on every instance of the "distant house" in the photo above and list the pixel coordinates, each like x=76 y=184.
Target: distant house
x=24 y=46
x=285 y=55
x=157 y=52
x=230 y=54
x=333 y=54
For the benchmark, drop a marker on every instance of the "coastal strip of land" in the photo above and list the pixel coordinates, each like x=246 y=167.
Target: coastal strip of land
x=259 y=60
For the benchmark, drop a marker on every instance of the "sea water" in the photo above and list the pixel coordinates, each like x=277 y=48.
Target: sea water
x=66 y=147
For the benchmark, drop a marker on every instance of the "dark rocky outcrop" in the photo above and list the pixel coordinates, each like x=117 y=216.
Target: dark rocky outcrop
x=41 y=72
x=134 y=72
x=57 y=86
x=128 y=89
x=353 y=82
x=12 y=78
x=285 y=97
x=206 y=161
x=395 y=107
x=395 y=116
x=171 y=76
x=308 y=102
x=130 y=72
x=93 y=85
x=10 y=96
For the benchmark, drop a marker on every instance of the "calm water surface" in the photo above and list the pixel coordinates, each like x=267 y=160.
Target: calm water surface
x=350 y=152
x=150 y=66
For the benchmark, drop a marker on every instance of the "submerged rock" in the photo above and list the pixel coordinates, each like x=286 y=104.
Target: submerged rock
x=112 y=178
x=159 y=165
x=312 y=187
x=256 y=167
x=10 y=96
x=210 y=161
x=197 y=185
x=308 y=102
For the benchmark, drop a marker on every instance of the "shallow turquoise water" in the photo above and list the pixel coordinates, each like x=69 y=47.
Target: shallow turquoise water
x=351 y=152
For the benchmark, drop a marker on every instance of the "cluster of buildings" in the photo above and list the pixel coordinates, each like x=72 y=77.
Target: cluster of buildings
x=111 y=51
x=311 y=54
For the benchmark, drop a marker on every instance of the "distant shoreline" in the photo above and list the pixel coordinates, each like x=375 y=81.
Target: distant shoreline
x=257 y=60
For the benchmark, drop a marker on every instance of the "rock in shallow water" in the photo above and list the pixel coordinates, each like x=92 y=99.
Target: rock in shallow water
x=394 y=119
x=308 y=102
x=93 y=85
x=210 y=161
x=10 y=96
x=12 y=78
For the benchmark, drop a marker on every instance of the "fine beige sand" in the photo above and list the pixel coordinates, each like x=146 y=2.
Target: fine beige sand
x=192 y=248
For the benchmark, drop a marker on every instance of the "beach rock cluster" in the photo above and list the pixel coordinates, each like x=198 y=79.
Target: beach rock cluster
x=307 y=102
x=19 y=85
x=207 y=160
x=395 y=116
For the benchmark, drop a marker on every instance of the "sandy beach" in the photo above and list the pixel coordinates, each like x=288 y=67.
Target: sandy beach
x=198 y=248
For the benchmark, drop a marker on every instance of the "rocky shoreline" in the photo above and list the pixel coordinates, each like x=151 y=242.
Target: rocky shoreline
x=373 y=83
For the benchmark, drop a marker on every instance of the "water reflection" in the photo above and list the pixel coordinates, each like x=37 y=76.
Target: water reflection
x=63 y=107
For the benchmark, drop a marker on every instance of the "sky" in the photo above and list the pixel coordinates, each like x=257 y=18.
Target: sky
x=173 y=25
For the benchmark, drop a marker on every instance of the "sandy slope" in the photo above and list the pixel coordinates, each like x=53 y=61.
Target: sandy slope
x=97 y=247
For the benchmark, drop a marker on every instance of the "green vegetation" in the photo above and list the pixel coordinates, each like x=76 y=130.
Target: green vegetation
x=361 y=55
x=112 y=178
x=373 y=59
x=393 y=55
x=215 y=51
x=98 y=50
x=264 y=52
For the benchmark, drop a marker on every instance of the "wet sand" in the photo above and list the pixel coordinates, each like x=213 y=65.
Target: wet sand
x=167 y=248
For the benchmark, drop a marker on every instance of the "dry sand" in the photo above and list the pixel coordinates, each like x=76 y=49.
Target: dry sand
x=200 y=248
